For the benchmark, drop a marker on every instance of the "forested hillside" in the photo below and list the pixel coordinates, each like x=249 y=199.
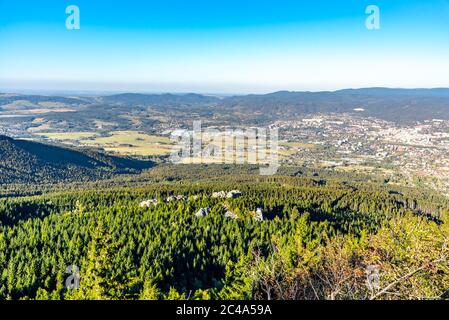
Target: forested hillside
x=24 y=161
x=296 y=236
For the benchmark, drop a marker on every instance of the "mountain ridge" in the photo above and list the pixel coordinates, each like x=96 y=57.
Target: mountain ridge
x=391 y=104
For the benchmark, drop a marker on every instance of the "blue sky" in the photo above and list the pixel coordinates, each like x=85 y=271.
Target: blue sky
x=223 y=46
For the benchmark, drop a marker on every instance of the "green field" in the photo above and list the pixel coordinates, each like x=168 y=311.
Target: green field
x=64 y=136
x=132 y=143
x=120 y=142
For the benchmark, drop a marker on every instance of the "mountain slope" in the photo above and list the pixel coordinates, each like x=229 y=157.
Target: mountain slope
x=397 y=105
x=30 y=162
x=166 y=99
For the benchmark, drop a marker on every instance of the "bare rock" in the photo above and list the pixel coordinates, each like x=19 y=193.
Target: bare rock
x=203 y=212
x=148 y=203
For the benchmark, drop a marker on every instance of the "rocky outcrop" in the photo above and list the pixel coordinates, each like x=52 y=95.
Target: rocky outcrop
x=230 y=215
x=176 y=198
x=203 y=212
x=234 y=194
x=220 y=194
x=148 y=203
x=230 y=195
x=259 y=216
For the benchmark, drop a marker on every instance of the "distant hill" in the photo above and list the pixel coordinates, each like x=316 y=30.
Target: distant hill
x=24 y=161
x=435 y=92
x=159 y=99
x=397 y=105
x=10 y=98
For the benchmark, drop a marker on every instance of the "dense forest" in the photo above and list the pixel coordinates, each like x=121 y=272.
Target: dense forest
x=28 y=162
x=179 y=233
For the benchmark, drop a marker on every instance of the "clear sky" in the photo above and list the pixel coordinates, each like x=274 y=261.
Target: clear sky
x=220 y=46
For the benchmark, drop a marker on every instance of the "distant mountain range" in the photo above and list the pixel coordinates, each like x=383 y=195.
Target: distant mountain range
x=160 y=99
x=24 y=161
x=436 y=92
x=398 y=105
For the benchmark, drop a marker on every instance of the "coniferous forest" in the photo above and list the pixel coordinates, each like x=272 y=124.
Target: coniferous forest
x=224 y=232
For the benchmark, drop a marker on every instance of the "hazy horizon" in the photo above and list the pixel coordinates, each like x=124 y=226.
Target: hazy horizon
x=91 y=92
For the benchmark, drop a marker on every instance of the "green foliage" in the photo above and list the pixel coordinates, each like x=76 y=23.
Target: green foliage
x=237 y=285
x=315 y=243
x=150 y=291
x=29 y=162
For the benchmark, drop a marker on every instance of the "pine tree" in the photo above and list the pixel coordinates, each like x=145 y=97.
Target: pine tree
x=150 y=291
x=237 y=283
x=97 y=282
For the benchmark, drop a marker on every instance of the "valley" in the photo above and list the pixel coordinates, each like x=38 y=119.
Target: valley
x=93 y=190
x=356 y=137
